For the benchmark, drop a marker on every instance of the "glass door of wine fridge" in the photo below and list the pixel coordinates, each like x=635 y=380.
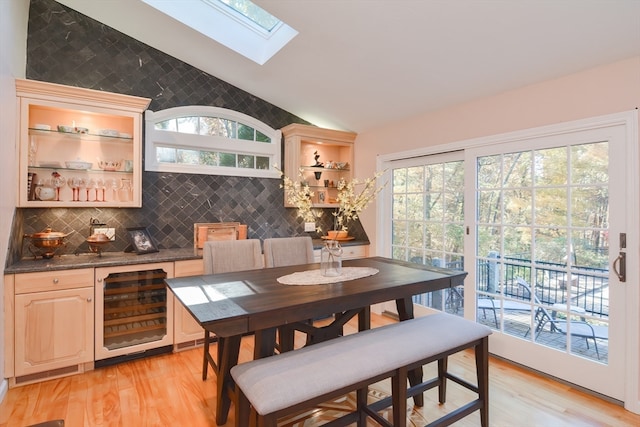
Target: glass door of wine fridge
x=134 y=311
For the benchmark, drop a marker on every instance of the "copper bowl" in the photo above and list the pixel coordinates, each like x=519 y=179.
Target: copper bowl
x=46 y=241
x=97 y=241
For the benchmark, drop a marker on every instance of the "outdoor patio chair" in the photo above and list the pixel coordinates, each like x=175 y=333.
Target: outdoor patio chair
x=491 y=304
x=577 y=328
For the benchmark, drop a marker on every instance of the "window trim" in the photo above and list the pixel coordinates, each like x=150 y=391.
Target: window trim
x=155 y=138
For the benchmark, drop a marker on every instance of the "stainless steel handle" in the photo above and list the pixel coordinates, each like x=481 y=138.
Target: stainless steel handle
x=621 y=261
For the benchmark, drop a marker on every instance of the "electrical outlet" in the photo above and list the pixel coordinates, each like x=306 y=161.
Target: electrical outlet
x=309 y=226
x=110 y=232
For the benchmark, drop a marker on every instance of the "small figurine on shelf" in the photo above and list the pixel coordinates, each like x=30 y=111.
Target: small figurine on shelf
x=316 y=156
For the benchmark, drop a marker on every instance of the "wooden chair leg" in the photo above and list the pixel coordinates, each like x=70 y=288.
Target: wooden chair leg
x=482 y=371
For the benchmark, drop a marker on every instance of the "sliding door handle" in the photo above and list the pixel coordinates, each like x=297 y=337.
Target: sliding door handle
x=621 y=262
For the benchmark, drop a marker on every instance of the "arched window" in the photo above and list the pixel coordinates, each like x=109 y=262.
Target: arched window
x=210 y=141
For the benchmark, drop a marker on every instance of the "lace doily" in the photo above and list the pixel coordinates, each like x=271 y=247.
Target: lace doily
x=315 y=277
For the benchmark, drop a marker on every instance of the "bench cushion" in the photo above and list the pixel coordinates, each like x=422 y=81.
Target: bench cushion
x=281 y=381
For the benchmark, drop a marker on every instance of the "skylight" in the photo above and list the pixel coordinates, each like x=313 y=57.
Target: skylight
x=240 y=25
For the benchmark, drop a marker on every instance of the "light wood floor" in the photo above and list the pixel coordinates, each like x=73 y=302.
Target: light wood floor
x=168 y=391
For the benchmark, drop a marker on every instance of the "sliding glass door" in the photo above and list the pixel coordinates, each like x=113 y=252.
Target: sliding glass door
x=537 y=219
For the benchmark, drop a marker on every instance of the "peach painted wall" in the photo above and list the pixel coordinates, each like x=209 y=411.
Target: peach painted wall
x=608 y=89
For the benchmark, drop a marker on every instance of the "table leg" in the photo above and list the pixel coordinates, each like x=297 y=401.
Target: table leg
x=264 y=343
x=364 y=319
x=228 y=349
x=286 y=337
x=405 y=312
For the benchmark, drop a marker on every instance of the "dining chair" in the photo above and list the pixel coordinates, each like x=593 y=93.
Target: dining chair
x=285 y=251
x=226 y=256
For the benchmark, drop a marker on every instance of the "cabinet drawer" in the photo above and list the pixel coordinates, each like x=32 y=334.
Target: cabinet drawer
x=53 y=280
x=350 y=252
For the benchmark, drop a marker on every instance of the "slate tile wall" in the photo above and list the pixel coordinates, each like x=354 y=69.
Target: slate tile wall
x=66 y=47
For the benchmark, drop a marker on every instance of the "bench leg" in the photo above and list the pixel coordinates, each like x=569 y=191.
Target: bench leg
x=399 y=397
x=405 y=312
x=442 y=379
x=361 y=404
x=482 y=371
x=243 y=410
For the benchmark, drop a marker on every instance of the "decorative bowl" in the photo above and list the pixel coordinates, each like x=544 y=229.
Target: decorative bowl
x=80 y=130
x=109 y=165
x=108 y=132
x=78 y=164
x=65 y=129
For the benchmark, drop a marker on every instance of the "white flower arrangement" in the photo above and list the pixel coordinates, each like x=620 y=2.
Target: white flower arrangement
x=300 y=196
x=351 y=202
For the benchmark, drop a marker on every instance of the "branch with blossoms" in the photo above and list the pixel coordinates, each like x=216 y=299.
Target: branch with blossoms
x=351 y=202
x=299 y=195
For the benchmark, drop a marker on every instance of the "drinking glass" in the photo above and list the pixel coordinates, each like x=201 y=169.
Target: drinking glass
x=58 y=182
x=90 y=185
x=75 y=188
x=100 y=183
x=113 y=184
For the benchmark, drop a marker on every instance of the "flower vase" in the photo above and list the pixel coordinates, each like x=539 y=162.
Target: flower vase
x=331 y=259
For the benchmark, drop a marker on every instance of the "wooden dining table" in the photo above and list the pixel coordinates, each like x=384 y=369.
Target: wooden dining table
x=231 y=305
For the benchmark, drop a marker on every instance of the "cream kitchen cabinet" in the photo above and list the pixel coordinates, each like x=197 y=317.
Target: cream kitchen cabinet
x=186 y=331
x=53 y=324
x=78 y=147
x=334 y=150
x=348 y=252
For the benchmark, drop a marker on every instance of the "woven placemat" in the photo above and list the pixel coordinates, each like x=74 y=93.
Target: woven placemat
x=315 y=277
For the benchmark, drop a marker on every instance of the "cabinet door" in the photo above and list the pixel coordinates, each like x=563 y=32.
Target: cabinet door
x=53 y=330
x=78 y=147
x=186 y=329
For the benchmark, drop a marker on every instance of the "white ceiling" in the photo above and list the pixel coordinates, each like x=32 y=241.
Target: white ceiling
x=359 y=64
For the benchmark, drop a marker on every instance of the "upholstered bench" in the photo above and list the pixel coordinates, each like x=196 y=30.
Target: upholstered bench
x=275 y=386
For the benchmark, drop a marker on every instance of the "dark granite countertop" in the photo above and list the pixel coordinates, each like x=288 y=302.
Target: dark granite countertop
x=110 y=259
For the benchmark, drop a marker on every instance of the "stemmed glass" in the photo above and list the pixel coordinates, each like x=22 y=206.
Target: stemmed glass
x=90 y=185
x=113 y=183
x=100 y=183
x=58 y=181
x=76 y=184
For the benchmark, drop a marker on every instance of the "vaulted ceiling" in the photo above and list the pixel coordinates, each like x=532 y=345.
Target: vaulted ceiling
x=359 y=64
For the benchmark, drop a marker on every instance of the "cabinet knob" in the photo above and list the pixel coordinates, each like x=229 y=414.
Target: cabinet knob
x=89 y=299
x=99 y=280
x=55 y=281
